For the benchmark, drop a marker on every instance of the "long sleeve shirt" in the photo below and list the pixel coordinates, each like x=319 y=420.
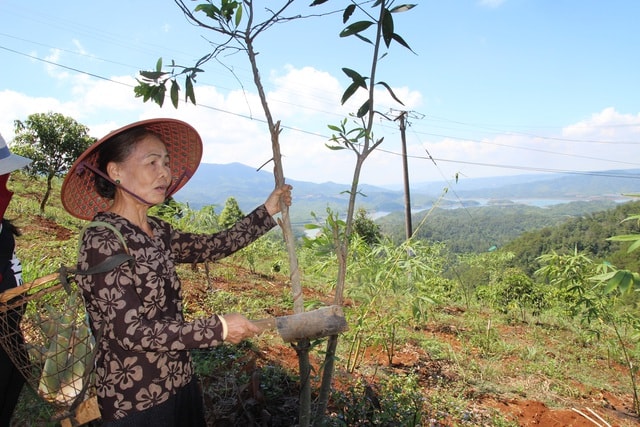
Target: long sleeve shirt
x=142 y=357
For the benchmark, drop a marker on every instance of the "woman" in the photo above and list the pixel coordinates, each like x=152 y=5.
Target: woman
x=144 y=374
x=11 y=380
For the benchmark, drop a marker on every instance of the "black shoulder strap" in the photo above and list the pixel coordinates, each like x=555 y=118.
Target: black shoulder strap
x=108 y=264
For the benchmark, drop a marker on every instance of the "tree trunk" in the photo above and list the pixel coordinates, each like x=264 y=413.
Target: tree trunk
x=47 y=193
x=301 y=347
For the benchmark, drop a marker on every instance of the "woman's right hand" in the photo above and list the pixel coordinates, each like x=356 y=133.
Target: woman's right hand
x=239 y=328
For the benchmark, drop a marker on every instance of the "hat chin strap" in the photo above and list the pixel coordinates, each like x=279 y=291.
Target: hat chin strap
x=176 y=183
x=95 y=170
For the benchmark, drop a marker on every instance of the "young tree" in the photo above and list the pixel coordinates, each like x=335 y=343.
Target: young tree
x=378 y=31
x=600 y=293
x=53 y=141
x=231 y=213
x=239 y=25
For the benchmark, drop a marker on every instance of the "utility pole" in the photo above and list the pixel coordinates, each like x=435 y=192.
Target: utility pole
x=405 y=169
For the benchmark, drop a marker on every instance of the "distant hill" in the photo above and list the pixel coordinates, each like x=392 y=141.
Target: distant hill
x=561 y=186
x=213 y=184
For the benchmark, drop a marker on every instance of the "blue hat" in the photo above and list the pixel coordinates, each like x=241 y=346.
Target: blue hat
x=10 y=162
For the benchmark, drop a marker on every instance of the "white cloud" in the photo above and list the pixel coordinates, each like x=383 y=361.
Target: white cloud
x=607 y=124
x=607 y=140
x=17 y=106
x=306 y=100
x=319 y=90
x=54 y=71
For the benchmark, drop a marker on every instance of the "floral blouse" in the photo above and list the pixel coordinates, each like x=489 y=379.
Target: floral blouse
x=142 y=357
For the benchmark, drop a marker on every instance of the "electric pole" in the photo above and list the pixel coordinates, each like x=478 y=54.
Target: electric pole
x=405 y=169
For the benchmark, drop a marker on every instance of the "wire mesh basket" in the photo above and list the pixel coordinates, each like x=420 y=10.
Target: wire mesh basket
x=44 y=328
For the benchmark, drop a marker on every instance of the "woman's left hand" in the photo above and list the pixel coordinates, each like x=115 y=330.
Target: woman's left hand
x=281 y=194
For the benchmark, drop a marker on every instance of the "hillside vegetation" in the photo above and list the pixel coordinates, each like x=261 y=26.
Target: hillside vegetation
x=477 y=229
x=436 y=337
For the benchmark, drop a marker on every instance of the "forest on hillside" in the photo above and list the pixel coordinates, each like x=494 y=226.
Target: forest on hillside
x=528 y=232
x=480 y=229
x=588 y=234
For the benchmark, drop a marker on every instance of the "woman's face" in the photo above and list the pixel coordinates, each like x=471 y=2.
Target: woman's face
x=146 y=172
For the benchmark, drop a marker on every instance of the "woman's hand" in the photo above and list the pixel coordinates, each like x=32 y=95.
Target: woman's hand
x=281 y=194
x=239 y=328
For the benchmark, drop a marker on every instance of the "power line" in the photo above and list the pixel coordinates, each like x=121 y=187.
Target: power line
x=473 y=125
x=326 y=137
x=540 y=150
x=479 y=126
x=63 y=66
x=533 y=169
x=553 y=138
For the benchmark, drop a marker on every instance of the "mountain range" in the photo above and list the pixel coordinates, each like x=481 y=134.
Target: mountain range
x=213 y=184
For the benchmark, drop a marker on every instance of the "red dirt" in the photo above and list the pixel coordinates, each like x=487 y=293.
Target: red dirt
x=46 y=227
x=527 y=413
x=530 y=413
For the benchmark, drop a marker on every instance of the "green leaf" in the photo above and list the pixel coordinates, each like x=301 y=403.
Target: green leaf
x=152 y=75
x=635 y=245
x=189 y=92
x=364 y=109
x=201 y=61
x=625 y=238
x=355 y=28
x=334 y=128
x=238 y=15
x=210 y=10
x=335 y=147
x=353 y=87
x=159 y=64
x=348 y=11
x=157 y=94
x=387 y=28
x=400 y=40
x=623 y=280
x=175 y=90
x=356 y=77
x=143 y=90
x=364 y=39
x=393 y=95
x=402 y=8
x=610 y=286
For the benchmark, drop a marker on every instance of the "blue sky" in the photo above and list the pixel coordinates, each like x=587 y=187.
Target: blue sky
x=494 y=87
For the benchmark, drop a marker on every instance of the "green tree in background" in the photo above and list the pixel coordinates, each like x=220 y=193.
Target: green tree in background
x=53 y=141
x=231 y=213
x=366 y=228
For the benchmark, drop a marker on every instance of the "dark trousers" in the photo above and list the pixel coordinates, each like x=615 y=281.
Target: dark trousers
x=11 y=382
x=183 y=409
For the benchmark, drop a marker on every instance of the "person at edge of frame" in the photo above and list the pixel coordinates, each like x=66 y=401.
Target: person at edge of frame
x=11 y=379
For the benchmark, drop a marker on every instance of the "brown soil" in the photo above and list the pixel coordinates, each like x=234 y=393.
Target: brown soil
x=46 y=227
